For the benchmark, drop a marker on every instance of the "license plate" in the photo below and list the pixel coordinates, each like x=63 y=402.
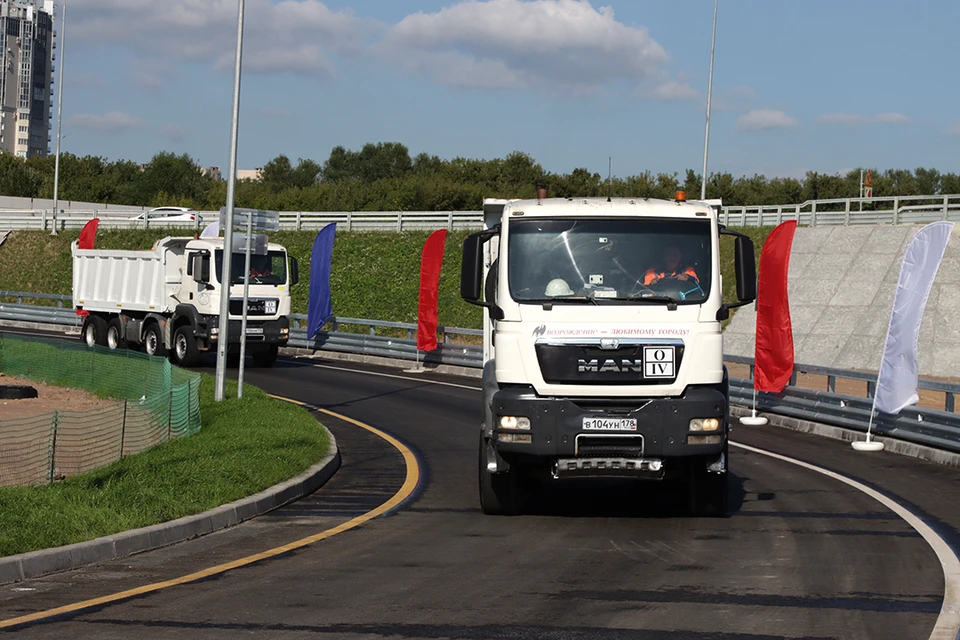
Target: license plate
x=255 y=331
x=610 y=424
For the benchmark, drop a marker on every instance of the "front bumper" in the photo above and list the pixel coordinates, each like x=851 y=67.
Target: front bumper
x=662 y=425
x=258 y=331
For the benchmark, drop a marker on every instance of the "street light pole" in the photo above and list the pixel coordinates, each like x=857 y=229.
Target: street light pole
x=56 y=162
x=706 y=137
x=225 y=279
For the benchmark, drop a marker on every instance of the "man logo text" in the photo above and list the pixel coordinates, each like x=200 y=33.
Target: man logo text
x=617 y=366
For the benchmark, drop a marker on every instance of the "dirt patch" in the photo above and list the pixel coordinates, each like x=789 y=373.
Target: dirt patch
x=49 y=399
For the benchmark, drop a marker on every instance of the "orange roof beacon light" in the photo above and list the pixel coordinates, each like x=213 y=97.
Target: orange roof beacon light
x=681 y=196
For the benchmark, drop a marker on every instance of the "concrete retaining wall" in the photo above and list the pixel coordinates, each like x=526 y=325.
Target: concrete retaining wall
x=842 y=282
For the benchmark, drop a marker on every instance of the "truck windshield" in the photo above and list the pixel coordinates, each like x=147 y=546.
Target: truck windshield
x=610 y=260
x=267 y=269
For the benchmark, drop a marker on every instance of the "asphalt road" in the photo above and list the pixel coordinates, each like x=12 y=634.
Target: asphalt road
x=802 y=556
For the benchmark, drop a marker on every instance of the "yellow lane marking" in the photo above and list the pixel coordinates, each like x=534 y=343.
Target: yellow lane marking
x=409 y=485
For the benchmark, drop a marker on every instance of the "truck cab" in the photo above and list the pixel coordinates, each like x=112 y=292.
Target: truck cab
x=603 y=352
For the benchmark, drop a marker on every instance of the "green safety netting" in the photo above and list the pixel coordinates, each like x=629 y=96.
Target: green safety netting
x=155 y=402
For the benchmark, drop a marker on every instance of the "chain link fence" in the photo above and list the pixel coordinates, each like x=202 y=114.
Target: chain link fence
x=155 y=402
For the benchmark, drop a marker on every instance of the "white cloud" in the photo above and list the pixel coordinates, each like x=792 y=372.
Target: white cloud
x=112 y=122
x=853 y=119
x=563 y=45
x=278 y=36
x=953 y=130
x=891 y=118
x=673 y=90
x=761 y=119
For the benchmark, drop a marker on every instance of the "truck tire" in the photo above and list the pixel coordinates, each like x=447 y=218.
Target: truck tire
x=185 y=350
x=153 y=341
x=708 y=493
x=94 y=331
x=501 y=494
x=115 y=334
x=267 y=356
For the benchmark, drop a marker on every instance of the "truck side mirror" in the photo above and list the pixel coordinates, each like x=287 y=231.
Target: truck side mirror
x=200 y=267
x=294 y=271
x=746 y=272
x=746 y=267
x=471 y=272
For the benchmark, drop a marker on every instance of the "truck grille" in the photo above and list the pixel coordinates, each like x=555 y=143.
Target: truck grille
x=632 y=364
x=255 y=306
x=609 y=446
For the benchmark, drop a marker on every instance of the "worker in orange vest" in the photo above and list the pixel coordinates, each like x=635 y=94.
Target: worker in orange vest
x=669 y=268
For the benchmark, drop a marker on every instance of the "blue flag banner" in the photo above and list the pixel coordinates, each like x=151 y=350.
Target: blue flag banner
x=320 y=305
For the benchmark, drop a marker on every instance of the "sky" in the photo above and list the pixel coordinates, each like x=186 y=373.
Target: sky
x=797 y=86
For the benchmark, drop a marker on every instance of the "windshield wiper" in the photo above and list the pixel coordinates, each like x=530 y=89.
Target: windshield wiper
x=588 y=299
x=671 y=302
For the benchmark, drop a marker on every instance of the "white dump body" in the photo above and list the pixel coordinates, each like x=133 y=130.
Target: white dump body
x=111 y=281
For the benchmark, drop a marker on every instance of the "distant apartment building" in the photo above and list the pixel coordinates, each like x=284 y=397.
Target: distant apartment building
x=250 y=174
x=26 y=76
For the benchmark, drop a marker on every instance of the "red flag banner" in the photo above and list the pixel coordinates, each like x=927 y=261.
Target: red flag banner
x=430 y=263
x=774 y=350
x=868 y=186
x=88 y=234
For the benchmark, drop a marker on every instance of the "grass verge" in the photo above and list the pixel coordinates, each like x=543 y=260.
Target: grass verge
x=245 y=446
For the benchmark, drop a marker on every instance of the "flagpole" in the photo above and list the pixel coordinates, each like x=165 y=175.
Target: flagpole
x=861 y=190
x=56 y=162
x=225 y=274
x=706 y=136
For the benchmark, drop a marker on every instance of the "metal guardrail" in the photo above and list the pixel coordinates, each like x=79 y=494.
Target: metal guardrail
x=930 y=427
x=893 y=210
x=838 y=211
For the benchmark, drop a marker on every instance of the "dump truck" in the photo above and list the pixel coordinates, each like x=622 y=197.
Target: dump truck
x=603 y=352
x=167 y=300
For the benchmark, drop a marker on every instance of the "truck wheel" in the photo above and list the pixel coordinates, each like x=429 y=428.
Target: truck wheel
x=266 y=357
x=708 y=492
x=501 y=494
x=115 y=334
x=94 y=331
x=153 y=341
x=185 y=351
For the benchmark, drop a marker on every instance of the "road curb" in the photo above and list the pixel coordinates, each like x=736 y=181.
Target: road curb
x=893 y=445
x=46 y=561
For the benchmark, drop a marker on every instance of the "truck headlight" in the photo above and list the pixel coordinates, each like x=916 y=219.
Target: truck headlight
x=284 y=331
x=704 y=424
x=214 y=331
x=514 y=422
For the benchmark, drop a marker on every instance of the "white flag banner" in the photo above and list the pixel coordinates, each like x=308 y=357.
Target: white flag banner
x=898 y=377
x=212 y=230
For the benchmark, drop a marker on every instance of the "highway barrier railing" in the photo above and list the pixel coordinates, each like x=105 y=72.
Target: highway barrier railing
x=893 y=210
x=151 y=401
x=935 y=427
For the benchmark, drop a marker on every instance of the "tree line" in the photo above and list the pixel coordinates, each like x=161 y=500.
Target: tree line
x=384 y=177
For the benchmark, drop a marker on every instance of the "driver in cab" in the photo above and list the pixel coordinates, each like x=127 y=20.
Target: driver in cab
x=670 y=267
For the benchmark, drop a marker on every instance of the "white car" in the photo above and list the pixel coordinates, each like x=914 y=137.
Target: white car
x=168 y=215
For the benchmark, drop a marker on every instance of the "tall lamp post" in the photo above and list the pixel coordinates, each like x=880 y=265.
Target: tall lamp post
x=706 y=137
x=56 y=162
x=225 y=279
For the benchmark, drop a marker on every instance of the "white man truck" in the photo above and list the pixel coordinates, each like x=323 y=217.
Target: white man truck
x=603 y=353
x=167 y=299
